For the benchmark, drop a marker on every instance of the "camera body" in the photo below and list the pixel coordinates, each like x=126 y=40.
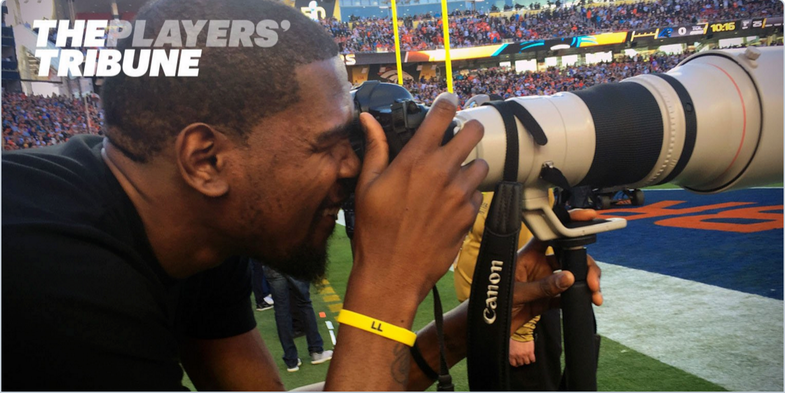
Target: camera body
x=397 y=112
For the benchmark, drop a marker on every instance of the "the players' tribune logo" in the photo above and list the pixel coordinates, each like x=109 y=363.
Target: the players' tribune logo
x=174 y=52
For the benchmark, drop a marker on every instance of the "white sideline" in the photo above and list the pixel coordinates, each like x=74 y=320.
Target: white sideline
x=731 y=338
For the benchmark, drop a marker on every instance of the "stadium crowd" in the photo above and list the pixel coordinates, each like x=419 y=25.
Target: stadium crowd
x=35 y=121
x=507 y=83
x=422 y=32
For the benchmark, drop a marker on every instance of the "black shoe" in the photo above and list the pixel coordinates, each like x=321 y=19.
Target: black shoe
x=263 y=306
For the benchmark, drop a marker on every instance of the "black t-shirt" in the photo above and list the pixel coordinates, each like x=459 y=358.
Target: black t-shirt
x=86 y=305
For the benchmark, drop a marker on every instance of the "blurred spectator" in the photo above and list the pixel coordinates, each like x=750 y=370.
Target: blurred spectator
x=281 y=286
x=261 y=289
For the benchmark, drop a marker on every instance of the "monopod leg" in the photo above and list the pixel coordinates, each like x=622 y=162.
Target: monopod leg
x=578 y=316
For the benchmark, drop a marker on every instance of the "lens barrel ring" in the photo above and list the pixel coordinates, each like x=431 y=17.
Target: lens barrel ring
x=671 y=143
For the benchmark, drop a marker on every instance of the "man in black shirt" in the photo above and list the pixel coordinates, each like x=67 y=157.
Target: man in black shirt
x=114 y=249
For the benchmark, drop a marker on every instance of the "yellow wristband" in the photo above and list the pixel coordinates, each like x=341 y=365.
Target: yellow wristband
x=376 y=326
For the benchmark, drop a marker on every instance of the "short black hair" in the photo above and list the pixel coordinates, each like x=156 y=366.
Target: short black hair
x=236 y=87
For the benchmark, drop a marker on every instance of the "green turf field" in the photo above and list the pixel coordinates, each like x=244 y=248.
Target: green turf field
x=620 y=368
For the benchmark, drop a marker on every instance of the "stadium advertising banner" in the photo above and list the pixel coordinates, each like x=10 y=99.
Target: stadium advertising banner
x=566 y=43
x=643 y=35
x=757 y=23
x=745 y=24
x=669 y=32
x=587 y=40
x=351 y=59
x=771 y=22
x=438 y=55
x=720 y=27
x=703 y=28
x=389 y=72
x=683 y=31
x=455 y=54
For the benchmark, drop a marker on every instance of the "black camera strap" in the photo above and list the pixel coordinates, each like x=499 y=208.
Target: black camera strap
x=525 y=117
x=511 y=130
x=490 y=302
x=444 y=378
x=509 y=111
x=490 y=309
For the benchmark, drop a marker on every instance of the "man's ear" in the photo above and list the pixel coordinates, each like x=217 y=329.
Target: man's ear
x=201 y=153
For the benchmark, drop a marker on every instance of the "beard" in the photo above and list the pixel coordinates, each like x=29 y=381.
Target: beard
x=306 y=262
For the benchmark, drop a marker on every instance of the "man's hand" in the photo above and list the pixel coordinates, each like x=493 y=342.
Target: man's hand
x=537 y=284
x=411 y=218
x=521 y=352
x=413 y=214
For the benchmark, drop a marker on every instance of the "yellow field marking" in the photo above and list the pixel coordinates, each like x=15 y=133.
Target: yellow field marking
x=331 y=299
x=327 y=291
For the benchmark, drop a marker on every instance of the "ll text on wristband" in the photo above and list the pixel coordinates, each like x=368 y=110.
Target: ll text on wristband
x=375 y=326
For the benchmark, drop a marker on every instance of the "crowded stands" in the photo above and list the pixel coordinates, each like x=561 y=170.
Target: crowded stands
x=424 y=32
x=35 y=121
x=508 y=83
